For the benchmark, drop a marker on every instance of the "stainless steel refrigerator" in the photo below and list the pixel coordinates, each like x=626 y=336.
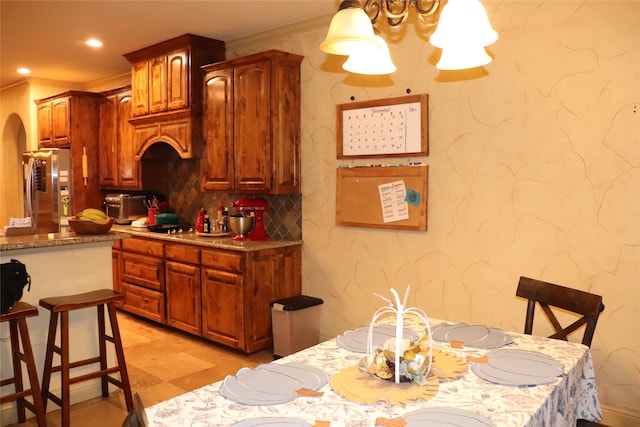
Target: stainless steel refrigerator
x=47 y=188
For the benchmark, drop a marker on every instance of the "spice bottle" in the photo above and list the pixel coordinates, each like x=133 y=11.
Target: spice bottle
x=207 y=224
x=225 y=220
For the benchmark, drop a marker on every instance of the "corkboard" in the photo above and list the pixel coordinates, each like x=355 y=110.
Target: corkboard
x=358 y=201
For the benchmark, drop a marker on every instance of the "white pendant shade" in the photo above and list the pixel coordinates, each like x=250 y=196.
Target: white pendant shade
x=463 y=22
x=371 y=61
x=350 y=30
x=463 y=57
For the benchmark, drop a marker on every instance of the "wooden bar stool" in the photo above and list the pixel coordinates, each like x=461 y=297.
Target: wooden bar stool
x=17 y=318
x=60 y=307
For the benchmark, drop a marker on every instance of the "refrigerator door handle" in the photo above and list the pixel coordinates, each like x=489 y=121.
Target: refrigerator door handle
x=30 y=190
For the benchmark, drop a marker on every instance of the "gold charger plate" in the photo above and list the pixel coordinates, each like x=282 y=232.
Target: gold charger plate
x=359 y=386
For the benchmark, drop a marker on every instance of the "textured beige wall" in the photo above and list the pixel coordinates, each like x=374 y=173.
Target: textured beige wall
x=534 y=170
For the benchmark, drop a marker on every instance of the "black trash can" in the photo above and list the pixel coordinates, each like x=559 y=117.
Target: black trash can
x=296 y=324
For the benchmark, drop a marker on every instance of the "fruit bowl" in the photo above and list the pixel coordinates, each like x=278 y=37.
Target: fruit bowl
x=101 y=226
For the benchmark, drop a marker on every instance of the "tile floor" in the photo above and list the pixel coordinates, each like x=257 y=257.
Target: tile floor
x=162 y=363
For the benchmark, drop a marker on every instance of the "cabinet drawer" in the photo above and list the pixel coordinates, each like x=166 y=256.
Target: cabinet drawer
x=143 y=302
x=143 y=246
x=225 y=260
x=142 y=270
x=182 y=253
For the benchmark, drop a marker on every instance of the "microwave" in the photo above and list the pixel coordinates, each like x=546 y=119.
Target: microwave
x=125 y=208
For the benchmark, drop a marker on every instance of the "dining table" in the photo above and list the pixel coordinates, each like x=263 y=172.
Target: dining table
x=558 y=401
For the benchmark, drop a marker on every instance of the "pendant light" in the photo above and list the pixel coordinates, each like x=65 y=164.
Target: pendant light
x=372 y=61
x=462 y=33
x=350 y=30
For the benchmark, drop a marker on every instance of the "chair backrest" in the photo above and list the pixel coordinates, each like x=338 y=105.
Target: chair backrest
x=548 y=295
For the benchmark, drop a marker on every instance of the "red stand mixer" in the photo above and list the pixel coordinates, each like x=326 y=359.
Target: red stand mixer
x=258 y=207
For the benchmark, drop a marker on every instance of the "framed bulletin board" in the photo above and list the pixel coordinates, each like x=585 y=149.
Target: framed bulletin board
x=383 y=127
x=383 y=197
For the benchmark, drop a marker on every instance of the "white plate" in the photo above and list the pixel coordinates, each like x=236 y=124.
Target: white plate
x=446 y=417
x=474 y=336
x=516 y=367
x=271 y=384
x=356 y=340
x=271 y=422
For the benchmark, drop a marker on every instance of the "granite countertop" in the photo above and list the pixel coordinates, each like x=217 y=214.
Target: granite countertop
x=55 y=239
x=221 y=242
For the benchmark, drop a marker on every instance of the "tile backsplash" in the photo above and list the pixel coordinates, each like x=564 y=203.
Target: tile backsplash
x=179 y=180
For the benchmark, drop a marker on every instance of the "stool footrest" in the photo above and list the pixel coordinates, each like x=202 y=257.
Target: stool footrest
x=15 y=396
x=77 y=364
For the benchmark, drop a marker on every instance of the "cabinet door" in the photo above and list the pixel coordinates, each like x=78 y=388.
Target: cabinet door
x=222 y=319
x=158 y=84
x=217 y=164
x=286 y=127
x=272 y=274
x=128 y=168
x=61 y=132
x=252 y=127
x=178 y=79
x=45 y=116
x=182 y=282
x=140 y=88
x=108 y=146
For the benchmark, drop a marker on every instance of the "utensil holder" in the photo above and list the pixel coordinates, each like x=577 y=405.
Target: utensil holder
x=152 y=216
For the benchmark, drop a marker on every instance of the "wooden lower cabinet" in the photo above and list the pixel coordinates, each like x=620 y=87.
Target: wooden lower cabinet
x=182 y=283
x=222 y=319
x=142 y=278
x=218 y=294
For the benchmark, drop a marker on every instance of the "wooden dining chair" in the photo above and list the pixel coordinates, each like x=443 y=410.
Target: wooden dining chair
x=548 y=295
x=137 y=417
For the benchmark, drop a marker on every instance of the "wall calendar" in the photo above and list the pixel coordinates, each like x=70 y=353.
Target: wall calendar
x=383 y=128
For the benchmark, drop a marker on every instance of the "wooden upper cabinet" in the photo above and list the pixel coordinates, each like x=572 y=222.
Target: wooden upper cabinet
x=118 y=168
x=140 y=88
x=167 y=92
x=264 y=139
x=217 y=163
x=72 y=120
x=252 y=127
x=157 y=84
x=54 y=123
x=178 y=79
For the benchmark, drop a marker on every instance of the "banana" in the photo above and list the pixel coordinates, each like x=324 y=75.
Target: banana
x=91 y=214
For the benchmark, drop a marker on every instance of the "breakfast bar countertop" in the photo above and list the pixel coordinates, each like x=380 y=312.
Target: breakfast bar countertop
x=32 y=241
x=220 y=242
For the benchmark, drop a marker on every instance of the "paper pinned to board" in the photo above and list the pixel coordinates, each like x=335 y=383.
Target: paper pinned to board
x=392 y=201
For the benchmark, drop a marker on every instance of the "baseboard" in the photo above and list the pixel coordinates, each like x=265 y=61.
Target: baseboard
x=80 y=392
x=619 y=417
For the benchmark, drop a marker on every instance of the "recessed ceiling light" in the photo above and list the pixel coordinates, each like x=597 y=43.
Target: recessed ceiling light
x=23 y=70
x=94 y=43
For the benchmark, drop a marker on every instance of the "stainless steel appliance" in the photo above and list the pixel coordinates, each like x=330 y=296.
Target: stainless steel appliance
x=254 y=207
x=125 y=208
x=47 y=189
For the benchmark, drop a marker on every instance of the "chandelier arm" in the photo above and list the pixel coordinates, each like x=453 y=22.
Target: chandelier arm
x=427 y=15
x=372 y=8
x=435 y=4
x=395 y=16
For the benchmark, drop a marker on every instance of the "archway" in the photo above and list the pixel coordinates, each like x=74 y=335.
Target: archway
x=14 y=143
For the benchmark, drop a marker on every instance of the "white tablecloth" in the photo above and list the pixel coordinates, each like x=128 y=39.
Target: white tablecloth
x=572 y=396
